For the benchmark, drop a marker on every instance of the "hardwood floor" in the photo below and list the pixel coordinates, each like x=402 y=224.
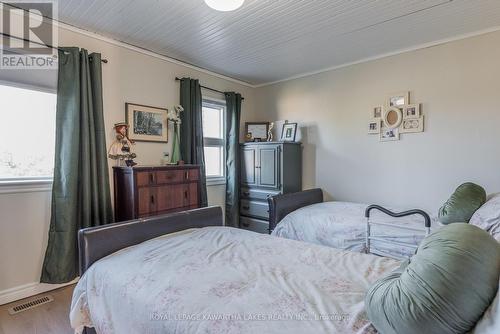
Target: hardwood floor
x=51 y=318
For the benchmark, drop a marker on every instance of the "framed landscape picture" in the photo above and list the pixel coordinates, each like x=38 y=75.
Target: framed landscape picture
x=146 y=123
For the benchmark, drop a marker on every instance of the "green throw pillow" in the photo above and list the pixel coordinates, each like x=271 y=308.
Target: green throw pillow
x=462 y=204
x=444 y=288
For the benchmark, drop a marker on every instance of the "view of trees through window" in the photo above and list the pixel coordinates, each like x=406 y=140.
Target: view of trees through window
x=27 y=133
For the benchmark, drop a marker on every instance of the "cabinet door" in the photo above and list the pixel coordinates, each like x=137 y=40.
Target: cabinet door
x=248 y=164
x=191 y=195
x=146 y=201
x=170 y=197
x=268 y=167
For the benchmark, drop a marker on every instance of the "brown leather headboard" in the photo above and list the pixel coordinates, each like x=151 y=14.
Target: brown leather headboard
x=281 y=205
x=95 y=243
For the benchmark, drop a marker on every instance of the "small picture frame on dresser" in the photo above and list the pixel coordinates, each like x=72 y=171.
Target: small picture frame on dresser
x=256 y=131
x=289 y=132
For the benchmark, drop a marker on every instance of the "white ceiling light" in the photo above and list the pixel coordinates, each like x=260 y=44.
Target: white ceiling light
x=224 y=5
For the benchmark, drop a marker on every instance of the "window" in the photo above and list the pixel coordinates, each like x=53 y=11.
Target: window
x=27 y=133
x=214 y=141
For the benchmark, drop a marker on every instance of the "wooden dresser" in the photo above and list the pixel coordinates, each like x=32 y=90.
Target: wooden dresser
x=147 y=191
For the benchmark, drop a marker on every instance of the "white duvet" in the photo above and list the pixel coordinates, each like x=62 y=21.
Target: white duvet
x=342 y=225
x=226 y=280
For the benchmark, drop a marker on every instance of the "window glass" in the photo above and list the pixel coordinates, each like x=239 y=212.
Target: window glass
x=213 y=161
x=214 y=142
x=27 y=133
x=212 y=122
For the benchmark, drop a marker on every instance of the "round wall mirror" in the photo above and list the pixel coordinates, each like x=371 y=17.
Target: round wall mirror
x=393 y=117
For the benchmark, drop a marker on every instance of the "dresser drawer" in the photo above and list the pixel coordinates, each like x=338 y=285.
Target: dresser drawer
x=254 y=209
x=145 y=178
x=254 y=225
x=192 y=175
x=260 y=194
x=170 y=176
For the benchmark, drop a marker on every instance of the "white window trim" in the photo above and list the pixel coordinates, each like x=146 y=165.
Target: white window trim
x=30 y=183
x=25 y=185
x=217 y=142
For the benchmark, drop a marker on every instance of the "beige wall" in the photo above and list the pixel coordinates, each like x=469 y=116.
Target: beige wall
x=129 y=76
x=458 y=86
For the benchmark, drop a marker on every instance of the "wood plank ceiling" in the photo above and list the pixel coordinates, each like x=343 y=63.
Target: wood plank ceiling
x=270 y=40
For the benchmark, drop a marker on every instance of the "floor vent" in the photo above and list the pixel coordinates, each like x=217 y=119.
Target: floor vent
x=31 y=304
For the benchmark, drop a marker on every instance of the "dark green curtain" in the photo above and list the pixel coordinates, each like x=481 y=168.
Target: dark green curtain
x=192 y=130
x=233 y=114
x=80 y=193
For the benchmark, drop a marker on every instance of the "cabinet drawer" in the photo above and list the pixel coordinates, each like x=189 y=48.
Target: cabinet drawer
x=254 y=209
x=169 y=176
x=257 y=194
x=145 y=178
x=255 y=225
x=191 y=175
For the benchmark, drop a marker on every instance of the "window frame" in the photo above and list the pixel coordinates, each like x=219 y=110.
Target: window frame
x=216 y=142
x=27 y=183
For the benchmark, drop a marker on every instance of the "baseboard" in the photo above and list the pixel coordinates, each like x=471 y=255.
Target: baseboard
x=29 y=290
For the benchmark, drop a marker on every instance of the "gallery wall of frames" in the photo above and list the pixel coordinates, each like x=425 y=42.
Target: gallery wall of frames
x=395 y=117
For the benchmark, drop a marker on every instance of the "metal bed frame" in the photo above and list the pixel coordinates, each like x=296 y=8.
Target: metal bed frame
x=382 y=238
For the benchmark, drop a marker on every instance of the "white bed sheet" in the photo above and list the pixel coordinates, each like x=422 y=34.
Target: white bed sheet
x=342 y=225
x=243 y=281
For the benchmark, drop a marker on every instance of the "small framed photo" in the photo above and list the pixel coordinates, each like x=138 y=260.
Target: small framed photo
x=256 y=131
x=374 y=126
x=389 y=134
x=146 y=123
x=411 y=111
x=398 y=99
x=412 y=125
x=289 y=132
x=377 y=112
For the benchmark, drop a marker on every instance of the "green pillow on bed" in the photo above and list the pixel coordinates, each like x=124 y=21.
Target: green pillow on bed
x=462 y=204
x=444 y=288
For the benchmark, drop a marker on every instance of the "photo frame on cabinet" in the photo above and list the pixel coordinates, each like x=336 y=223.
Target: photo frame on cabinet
x=256 y=131
x=289 y=132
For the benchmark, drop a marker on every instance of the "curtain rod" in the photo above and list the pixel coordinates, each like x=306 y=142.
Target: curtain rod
x=205 y=87
x=105 y=61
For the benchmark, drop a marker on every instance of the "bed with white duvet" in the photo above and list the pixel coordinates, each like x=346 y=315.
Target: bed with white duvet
x=342 y=225
x=227 y=280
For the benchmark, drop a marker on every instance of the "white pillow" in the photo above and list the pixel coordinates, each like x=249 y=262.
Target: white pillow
x=487 y=217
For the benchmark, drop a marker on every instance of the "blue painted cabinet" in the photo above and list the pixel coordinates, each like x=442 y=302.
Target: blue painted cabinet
x=267 y=169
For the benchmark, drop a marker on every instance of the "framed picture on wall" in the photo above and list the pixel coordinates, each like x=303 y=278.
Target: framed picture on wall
x=377 y=112
x=412 y=125
x=374 y=126
x=389 y=134
x=398 y=99
x=289 y=132
x=411 y=111
x=146 y=123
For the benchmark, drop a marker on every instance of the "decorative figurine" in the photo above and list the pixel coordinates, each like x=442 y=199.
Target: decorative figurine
x=174 y=115
x=120 y=148
x=270 y=132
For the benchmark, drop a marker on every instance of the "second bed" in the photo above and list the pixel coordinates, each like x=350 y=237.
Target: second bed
x=342 y=225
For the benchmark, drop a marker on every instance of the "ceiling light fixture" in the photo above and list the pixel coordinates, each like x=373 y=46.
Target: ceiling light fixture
x=224 y=5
